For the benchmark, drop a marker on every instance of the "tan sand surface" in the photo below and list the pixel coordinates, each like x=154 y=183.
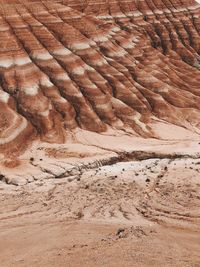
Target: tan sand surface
x=131 y=213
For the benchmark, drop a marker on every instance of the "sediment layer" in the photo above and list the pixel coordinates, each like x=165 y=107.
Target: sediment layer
x=96 y=65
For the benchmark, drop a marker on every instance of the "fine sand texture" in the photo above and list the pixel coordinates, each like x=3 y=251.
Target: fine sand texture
x=135 y=205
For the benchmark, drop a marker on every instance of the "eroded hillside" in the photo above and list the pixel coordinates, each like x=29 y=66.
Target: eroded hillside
x=96 y=65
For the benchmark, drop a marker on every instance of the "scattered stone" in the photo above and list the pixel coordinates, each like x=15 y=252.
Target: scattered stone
x=120 y=232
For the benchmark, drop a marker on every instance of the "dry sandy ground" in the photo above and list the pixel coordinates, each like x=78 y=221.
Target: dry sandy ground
x=110 y=200
x=135 y=213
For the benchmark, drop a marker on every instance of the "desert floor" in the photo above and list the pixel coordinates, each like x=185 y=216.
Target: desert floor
x=110 y=200
x=134 y=213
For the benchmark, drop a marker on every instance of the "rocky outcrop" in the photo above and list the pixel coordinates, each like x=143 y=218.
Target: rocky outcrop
x=95 y=65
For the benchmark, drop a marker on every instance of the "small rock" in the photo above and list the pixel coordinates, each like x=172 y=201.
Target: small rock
x=120 y=231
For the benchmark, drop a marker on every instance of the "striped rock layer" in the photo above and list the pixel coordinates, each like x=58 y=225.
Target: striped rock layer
x=96 y=64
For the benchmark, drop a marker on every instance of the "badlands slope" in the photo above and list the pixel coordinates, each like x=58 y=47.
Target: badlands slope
x=99 y=133
x=77 y=73
x=123 y=65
